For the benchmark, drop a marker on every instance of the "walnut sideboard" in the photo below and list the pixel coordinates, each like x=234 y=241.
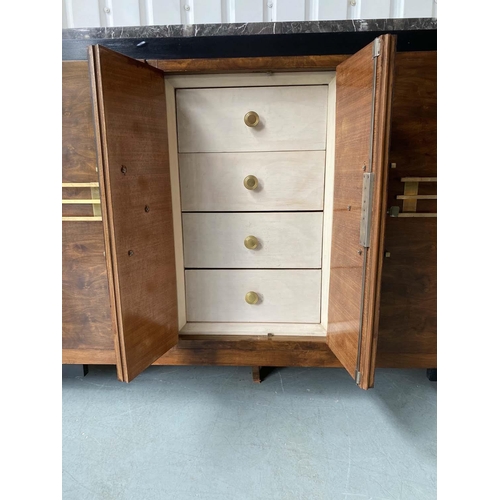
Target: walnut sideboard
x=259 y=211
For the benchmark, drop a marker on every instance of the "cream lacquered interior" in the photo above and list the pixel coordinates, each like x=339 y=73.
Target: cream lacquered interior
x=213 y=149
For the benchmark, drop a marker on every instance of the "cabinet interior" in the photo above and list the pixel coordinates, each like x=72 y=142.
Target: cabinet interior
x=221 y=81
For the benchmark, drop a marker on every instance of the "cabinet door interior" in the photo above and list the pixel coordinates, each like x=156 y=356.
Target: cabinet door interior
x=131 y=130
x=363 y=105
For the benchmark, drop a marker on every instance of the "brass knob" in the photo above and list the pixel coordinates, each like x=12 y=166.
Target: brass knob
x=251 y=242
x=250 y=182
x=251 y=119
x=251 y=298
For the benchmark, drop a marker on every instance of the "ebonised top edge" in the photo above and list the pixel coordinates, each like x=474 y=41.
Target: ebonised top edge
x=250 y=46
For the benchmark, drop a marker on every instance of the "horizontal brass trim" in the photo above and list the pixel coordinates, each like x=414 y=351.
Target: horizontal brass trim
x=419 y=179
x=81 y=202
x=80 y=184
x=416 y=214
x=416 y=196
x=81 y=219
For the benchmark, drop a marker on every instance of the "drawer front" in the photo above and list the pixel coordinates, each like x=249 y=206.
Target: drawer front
x=213 y=182
x=290 y=119
x=282 y=240
x=291 y=296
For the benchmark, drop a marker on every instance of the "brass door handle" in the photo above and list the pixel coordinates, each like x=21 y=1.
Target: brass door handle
x=251 y=242
x=251 y=182
x=251 y=298
x=251 y=119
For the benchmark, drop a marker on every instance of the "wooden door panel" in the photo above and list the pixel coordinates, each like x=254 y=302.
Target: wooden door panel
x=137 y=206
x=363 y=96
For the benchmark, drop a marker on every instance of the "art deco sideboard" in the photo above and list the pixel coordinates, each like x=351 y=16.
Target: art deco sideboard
x=260 y=211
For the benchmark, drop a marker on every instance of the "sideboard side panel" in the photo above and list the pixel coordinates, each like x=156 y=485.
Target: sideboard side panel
x=408 y=310
x=86 y=321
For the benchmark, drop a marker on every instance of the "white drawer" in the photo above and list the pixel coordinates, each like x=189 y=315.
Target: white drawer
x=213 y=182
x=284 y=240
x=291 y=296
x=290 y=119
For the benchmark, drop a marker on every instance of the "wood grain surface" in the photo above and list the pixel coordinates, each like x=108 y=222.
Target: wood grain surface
x=86 y=321
x=247 y=353
x=407 y=336
x=248 y=64
x=78 y=141
x=408 y=310
x=131 y=105
x=352 y=160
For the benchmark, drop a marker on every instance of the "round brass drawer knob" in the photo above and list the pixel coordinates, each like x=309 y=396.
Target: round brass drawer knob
x=251 y=119
x=251 y=298
x=251 y=182
x=251 y=242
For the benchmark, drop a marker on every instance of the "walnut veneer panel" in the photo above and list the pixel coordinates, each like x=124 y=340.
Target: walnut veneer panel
x=408 y=310
x=78 y=140
x=353 y=135
x=137 y=206
x=86 y=317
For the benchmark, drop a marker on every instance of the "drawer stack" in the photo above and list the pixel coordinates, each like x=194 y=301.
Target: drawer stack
x=251 y=166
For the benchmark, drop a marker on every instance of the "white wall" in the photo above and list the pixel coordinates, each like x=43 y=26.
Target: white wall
x=92 y=13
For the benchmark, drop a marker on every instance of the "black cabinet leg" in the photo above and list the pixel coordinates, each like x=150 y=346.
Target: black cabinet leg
x=72 y=371
x=432 y=374
x=256 y=374
x=259 y=373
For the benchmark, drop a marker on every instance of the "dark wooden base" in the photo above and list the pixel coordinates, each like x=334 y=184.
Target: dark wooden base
x=245 y=351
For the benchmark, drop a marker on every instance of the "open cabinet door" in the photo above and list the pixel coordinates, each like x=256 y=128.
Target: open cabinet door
x=363 y=108
x=131 y=129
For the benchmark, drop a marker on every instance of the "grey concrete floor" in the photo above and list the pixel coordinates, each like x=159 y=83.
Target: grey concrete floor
x=211 y=433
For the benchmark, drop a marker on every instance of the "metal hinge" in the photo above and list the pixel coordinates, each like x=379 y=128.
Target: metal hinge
x=376 y=47
x=366 y=210
x=357 y=377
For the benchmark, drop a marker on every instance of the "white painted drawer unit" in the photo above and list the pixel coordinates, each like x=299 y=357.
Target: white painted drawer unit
x=251 y=178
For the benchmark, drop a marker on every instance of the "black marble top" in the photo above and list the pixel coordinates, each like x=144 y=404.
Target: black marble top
x=232 y=29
